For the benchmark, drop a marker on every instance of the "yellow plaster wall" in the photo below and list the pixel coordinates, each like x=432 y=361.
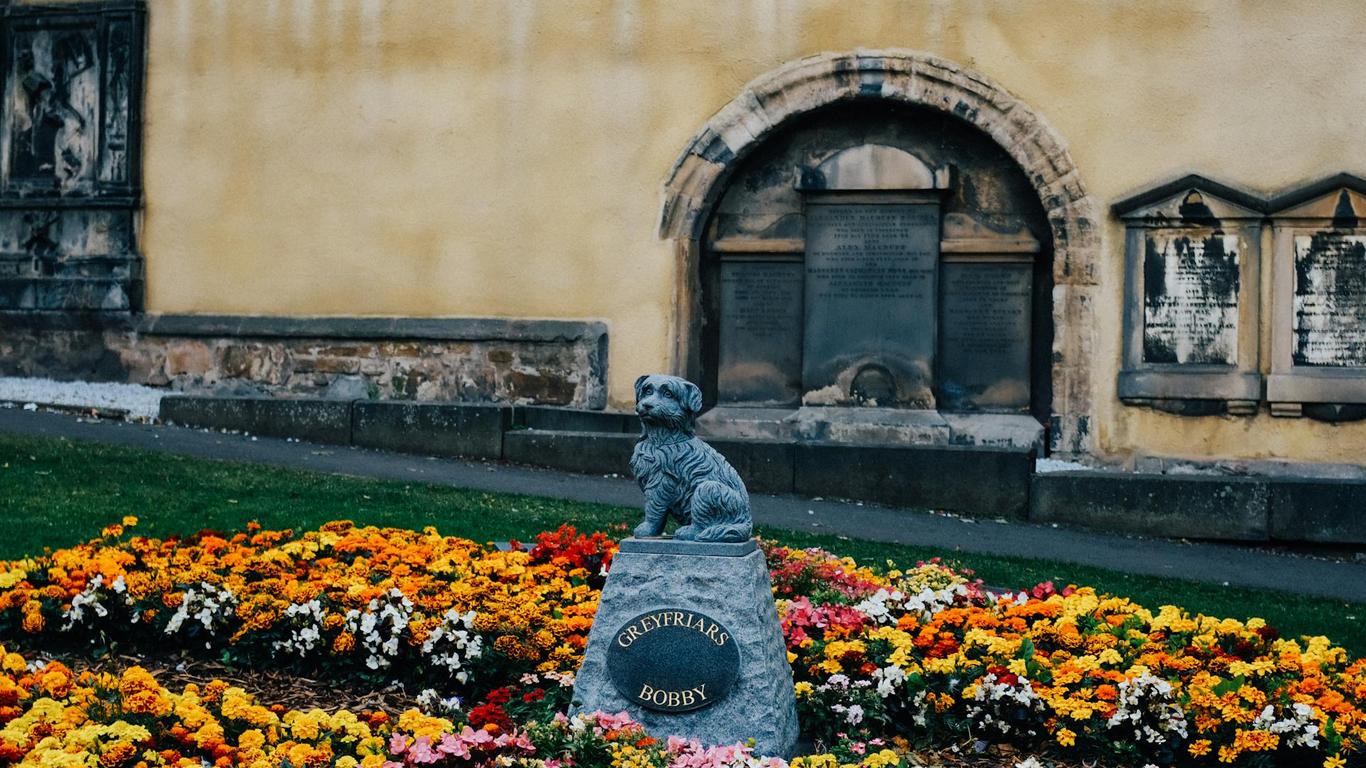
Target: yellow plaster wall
x=505 y=158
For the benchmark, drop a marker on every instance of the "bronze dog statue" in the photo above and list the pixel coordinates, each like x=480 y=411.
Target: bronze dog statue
x=683 y=477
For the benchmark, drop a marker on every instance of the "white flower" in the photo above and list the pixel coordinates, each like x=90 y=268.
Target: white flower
x=1146 y=711
x=888 y=678
x=208 y=604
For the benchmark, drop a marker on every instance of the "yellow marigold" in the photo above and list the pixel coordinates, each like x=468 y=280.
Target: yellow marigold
x=209 y=736
x=55 y=680
x=1066 y=737
x=251 y=739
x=1255 y=741
x=815 y=761
x=117 y=754
x=1199 y=747
x=33 y=621
x=147 y=703
x=344 y=643
x=13 y=662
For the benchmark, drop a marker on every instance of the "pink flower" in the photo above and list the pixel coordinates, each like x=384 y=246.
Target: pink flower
x=614 y=722
x=422 y=752
x=476 y=738
x=398 y=743
x=452 y=745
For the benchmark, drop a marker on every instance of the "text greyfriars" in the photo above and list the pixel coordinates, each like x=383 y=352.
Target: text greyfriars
x=684 y=619
x=673 y=660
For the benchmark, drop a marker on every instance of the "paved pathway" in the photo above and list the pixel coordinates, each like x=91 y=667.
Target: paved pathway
x=1215 y=563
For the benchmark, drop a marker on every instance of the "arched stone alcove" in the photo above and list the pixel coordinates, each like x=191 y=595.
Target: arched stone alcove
x=777 y=100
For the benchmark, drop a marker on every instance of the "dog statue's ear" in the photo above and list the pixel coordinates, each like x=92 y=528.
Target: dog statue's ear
x=639 y=381
x=692 y=397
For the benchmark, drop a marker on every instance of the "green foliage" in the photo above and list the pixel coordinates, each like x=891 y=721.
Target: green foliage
x=56 y=493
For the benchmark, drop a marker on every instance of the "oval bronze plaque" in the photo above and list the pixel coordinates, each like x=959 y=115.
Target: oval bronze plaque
x=673 y=660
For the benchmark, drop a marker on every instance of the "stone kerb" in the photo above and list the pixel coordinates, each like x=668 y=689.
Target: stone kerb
x=696 y=179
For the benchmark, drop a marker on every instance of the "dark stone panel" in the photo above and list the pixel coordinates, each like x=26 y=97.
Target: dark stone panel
x=990 y=482
x=662 y=546
x=765 y=466
x=760 y=332
x=317 y=421
x=574 y=419
x=1155 y=505
x=453 y=328
x=870 y=301
x=432 y=429
x=985 y=333
x=25 y=320
x=596 y=453
x=673 y=660
x=1327 y=511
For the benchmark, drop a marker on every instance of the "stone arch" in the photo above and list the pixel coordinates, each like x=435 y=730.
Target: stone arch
x=700 y=173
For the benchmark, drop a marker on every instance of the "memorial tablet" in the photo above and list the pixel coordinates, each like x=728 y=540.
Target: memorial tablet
x=1190 y=298
x=761 y=332
x=673 y=660
x=984 y=355
x=870 y=294
x=1330 y=300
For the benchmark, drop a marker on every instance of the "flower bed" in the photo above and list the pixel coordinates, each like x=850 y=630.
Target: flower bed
x=884 y=660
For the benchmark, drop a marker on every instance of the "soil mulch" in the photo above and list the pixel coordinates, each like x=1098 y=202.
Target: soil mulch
x=269 y=686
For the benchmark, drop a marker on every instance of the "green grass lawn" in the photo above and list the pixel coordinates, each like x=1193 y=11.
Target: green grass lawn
x=55 y=493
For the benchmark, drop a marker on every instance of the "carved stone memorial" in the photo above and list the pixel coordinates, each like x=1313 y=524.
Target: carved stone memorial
x=1318 y=343
x=686 y=637
x=872 y=268
x=70 y=166
x=1192 y=253
x=761 y=332
x=985 y=331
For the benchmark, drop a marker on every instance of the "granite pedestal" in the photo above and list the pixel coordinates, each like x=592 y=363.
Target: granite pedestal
x=673 y=617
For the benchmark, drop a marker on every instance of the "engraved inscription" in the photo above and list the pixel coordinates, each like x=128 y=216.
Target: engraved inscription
x=870 y=297
x=984 y=355
x=673 y=660
x=761 y=332
x=1190 y=298
x=1330 y=300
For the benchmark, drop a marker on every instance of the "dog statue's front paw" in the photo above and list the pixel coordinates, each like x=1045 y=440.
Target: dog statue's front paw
x=686 y=533
x=645 y=530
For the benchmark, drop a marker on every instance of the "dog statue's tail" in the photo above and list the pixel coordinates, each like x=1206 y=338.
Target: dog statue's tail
x=726 y=532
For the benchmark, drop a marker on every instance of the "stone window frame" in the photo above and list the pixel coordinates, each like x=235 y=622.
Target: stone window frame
x=771 y=101
x=1192 y=388
x=1292 y=390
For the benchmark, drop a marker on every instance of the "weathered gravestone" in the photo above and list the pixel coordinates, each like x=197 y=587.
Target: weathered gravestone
x=686 y=638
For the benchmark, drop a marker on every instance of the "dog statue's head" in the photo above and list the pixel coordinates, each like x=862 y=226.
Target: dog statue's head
x=667 y=401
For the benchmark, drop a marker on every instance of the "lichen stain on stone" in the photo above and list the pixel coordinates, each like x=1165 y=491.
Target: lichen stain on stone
x=1330 y=299
x=1191 y=283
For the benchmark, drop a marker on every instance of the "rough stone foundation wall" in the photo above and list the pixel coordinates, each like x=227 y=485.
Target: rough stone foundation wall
x=467 y=360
